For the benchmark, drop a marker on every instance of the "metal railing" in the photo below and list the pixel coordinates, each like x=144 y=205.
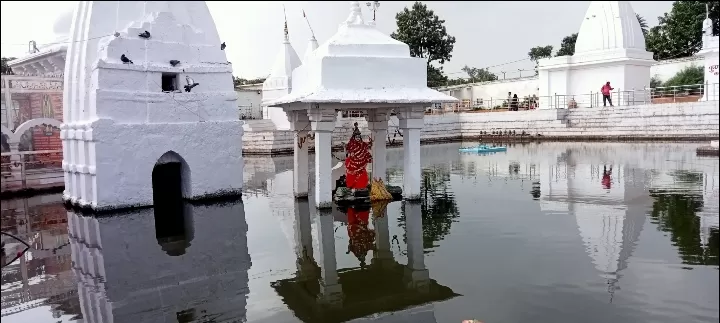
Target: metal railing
x=31 y=170
x=618 y=97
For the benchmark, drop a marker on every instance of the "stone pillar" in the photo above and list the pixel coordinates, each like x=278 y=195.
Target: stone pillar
x=411 y=122
x=323 y=124
x=305 y=261
x=330 y=288
x=300 y=125
x=378 y=126
x=416 y=275
x=382 y=256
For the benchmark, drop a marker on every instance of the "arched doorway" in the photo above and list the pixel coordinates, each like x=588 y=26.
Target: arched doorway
x=173 y=216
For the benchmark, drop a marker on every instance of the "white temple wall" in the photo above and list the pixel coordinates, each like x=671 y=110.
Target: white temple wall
x=583 y=81
x=196 y=143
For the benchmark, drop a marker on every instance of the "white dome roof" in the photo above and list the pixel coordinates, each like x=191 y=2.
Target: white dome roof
x=609 y=25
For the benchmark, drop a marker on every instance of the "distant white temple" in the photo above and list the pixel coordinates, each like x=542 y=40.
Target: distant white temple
x=134 y=105
x=610 y=47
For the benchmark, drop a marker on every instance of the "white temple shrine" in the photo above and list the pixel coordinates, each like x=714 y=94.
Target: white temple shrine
x=279 y=83
x=127 y=119
x=711 y=51
x=610 y=47
x=359 y=68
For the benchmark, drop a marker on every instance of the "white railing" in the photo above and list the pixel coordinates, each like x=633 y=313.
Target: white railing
x=619 y=97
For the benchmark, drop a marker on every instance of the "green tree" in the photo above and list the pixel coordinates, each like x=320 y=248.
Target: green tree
x=539 y=52
x=679 y=32
x=643 y=24
x=425 y=33
x=6 y=70
x=690 y=75
x=567 y=46
x=479 y=74
x=237 y=81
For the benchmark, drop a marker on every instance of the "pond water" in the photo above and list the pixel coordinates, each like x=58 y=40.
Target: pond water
x=551 y=232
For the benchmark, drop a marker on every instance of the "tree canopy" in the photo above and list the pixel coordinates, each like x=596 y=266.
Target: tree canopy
x=679 y=32
x=6 y=70
x=479 y=74
x=237 y=81
x=425 y=33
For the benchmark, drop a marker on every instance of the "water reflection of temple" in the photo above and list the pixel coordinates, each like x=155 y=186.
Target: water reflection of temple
x=42 y=277
x=321 y=292
x=136 y=268
x=610 y=193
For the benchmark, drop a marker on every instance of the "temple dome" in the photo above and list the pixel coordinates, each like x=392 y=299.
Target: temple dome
x=360 y=64
x=609 y=25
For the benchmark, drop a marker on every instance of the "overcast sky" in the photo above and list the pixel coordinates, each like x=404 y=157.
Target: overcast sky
x=488 y=33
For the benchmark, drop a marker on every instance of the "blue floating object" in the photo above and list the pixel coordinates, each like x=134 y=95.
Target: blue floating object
x=483 y=149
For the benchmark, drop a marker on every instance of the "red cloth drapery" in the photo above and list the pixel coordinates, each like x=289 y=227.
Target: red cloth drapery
x=359 y=156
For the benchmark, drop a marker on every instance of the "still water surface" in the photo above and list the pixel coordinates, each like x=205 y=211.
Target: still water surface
x=552 y=232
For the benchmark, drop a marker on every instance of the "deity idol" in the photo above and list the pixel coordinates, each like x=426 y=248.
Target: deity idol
x=361 y=238
x=358 y=156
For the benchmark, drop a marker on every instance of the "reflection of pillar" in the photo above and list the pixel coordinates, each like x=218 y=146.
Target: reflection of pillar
x=411 y=121
x=15 y=167
x=416 y=275
x=382 y=256
x=300 y=125
x=330 y=289
x=303 y=240
x=323 y=123
x=378 y=125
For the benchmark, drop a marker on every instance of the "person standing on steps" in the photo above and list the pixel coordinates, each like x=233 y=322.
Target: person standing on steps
x=605 y=90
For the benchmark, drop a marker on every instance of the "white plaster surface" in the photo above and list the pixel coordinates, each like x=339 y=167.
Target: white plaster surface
x=609 y=25
x=360 y=64
x=279 y=83
x=118 y=122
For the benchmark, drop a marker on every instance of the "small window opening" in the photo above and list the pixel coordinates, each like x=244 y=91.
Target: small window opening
x=169 y=82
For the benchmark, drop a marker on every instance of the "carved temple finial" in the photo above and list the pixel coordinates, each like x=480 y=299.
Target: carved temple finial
x=287 y=34
x=355 y=17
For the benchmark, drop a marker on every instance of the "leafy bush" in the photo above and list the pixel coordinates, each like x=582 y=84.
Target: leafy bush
x=655 y=82
x=687 y=76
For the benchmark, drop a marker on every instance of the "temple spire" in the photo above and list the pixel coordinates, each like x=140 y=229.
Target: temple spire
x=287 y=35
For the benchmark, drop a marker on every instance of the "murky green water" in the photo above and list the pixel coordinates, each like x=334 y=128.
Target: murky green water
x=553 y=232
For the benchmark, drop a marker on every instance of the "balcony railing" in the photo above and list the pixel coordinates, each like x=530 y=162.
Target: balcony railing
x=619 y=97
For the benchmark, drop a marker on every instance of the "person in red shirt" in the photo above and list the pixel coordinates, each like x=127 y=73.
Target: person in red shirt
x=605 y=90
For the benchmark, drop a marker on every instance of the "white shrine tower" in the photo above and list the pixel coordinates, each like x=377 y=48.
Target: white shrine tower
x=610 y=47
x=123 y=120
x=279 y=83
x=711 y=51
x=358 y=68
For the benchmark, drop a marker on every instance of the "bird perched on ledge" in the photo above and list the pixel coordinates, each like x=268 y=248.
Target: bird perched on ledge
x=174 y=62
x=222 y=46
x=145 y=35
x=125 y=60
